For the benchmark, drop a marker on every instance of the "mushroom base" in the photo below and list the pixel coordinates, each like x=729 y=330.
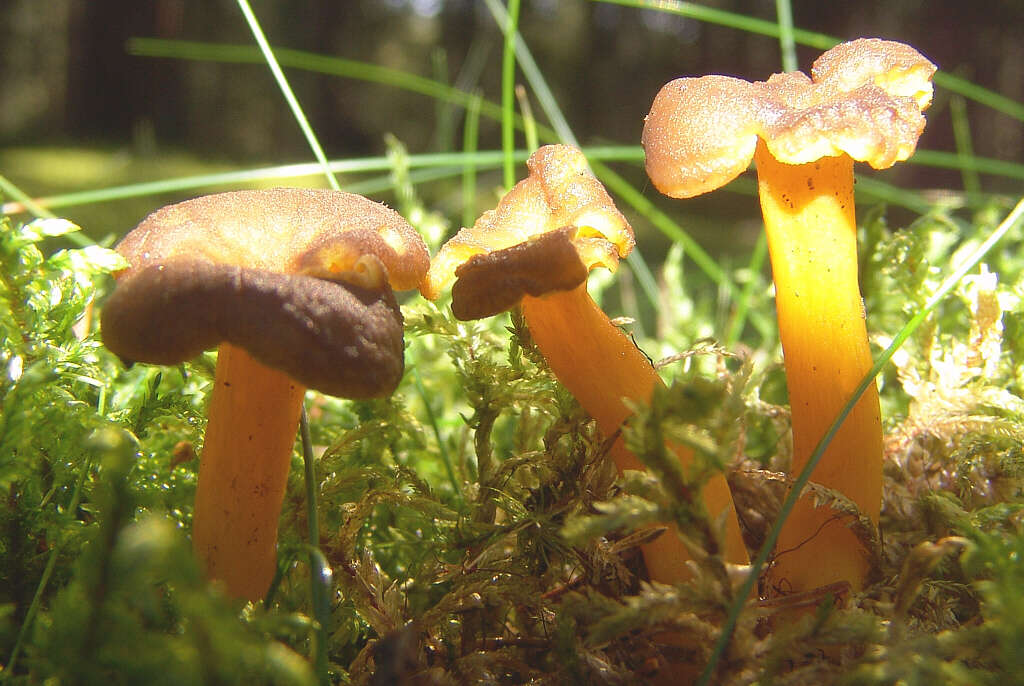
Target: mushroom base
x=254 y=417
x=601 y=366
x=812 y=240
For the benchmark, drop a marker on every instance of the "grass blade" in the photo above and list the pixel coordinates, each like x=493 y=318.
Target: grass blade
x=529 y=123
x=787 y=42
x=319 y=569
x=536 y=79
x=470 y=141
x=742 y=311
x=286 y=90
x=508 y=78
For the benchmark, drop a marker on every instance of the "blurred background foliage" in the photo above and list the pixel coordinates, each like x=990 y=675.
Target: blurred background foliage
x=83 y=109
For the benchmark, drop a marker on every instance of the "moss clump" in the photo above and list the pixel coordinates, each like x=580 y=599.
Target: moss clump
x=474 y=529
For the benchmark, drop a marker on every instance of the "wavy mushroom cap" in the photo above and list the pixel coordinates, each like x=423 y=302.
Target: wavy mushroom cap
x=300 y=278
x=544 y=235
x=865 y=99
x=289 y=230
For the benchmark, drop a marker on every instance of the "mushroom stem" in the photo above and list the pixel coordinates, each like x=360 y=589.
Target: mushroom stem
x=600 y=365
x=254 y=416
x=812 y=241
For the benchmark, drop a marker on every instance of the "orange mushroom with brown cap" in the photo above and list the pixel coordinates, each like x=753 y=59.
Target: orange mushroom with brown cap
x=535 y=249
x=294 y=288
x=864 y=102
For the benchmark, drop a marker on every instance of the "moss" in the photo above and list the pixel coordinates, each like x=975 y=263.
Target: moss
x=475 y=530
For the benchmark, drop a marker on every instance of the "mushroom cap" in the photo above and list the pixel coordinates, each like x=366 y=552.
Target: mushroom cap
x=544 y=235
x=341 y=339
x=864 y=99
x=289 y=230
x=496 y=281
x=299 y=278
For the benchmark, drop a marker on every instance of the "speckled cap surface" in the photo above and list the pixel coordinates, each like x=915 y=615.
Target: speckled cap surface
x=864 y=98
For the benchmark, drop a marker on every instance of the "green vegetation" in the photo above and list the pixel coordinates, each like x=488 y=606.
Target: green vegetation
x=470 y=528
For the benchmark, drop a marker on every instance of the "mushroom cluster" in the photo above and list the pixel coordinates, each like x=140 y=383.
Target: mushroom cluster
x=863 y=102
x=535 y=249
x=294 y=288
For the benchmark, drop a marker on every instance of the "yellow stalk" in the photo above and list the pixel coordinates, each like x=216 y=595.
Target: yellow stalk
x=254 y=415
x=600 y=365
x=809 y=217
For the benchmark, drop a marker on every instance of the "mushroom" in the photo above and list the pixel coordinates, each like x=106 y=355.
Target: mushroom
x=294 y=287
x=535 y=249
x=863 y=102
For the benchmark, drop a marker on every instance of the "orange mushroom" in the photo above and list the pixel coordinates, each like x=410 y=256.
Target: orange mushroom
x=295 y=287
x=863 y=102
x=535 y=249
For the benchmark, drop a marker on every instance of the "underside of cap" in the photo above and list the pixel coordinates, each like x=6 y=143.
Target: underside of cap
x=561 y=194
x=865 y=100
x=316 y=231
x=334 y=337
x=493 y=282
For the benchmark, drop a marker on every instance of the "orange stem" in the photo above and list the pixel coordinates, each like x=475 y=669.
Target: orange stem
x=812 y=240
x=254 y=415
x=601 y=366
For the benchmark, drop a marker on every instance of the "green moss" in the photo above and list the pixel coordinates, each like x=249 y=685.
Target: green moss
x=471 y=521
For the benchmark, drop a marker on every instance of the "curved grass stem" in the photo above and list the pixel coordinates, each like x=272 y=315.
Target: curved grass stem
x=286 y=91
x=319 y=570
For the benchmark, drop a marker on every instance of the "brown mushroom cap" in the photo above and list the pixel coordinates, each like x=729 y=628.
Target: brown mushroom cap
x=865 y=100
x=489 y=283
x=545 y=234
x=297 y=277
